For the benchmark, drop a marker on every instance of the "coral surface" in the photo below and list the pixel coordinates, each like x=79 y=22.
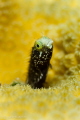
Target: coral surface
x=21 y=23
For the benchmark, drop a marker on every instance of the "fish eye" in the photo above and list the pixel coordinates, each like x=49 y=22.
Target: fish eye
x=38 y=45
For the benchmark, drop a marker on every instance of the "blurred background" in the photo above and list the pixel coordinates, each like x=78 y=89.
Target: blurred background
x=21 y=23
x=24 y=21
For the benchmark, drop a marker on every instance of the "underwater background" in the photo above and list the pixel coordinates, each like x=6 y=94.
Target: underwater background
x=22 y=22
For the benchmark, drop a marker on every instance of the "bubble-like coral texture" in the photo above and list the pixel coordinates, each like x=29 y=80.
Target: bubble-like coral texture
x=21 y=23
x=77 y=52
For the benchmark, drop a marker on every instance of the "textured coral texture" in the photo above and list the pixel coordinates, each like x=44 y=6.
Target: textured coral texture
x=21 y=23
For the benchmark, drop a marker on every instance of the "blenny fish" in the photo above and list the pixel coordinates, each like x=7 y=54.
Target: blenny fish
x=39 y=62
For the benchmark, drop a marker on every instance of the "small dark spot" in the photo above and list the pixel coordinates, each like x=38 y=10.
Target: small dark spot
x=37 y=45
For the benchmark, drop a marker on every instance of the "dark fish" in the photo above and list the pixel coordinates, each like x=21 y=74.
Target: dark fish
x=39 y=62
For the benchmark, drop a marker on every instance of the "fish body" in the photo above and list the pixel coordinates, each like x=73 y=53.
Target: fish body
x=39 y=62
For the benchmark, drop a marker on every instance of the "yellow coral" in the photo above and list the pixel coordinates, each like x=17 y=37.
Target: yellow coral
x=69 y=60
x=77 y=52
x=21 y=23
